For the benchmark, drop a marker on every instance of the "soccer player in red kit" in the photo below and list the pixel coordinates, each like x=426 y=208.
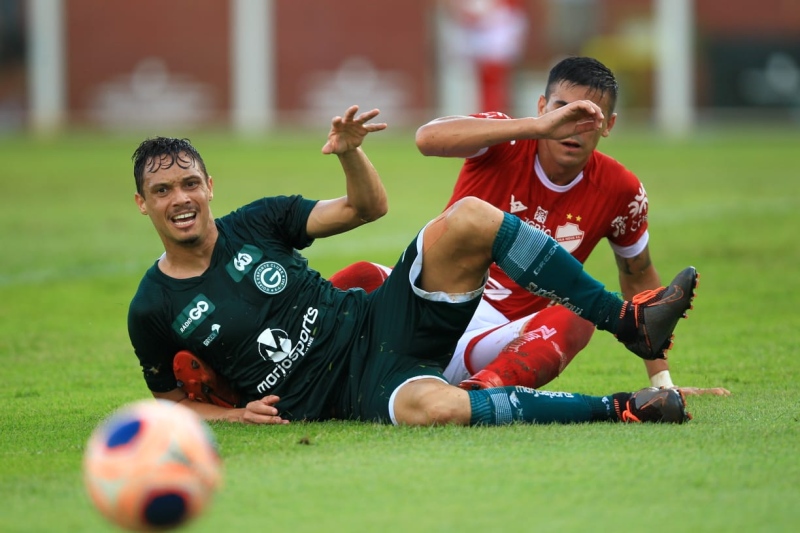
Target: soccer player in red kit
x=491 y=35
x=565 y=188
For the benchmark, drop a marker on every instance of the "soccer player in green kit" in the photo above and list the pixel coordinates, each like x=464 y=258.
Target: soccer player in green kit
x=236 y=292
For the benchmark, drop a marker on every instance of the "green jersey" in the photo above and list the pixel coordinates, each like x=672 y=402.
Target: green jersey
x=271 y=325
x=259 y=315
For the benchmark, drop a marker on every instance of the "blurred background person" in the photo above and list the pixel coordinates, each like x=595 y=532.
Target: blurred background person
x=490 y=34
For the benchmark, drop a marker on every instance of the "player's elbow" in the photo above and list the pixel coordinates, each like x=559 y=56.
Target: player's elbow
x=427 y=141
x=375 y=211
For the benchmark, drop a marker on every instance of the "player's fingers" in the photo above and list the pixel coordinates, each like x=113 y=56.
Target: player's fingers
x=264 y=406
x=368 y=115
x=270 y=399
x=697 y=391
x=327 y=148
x=351 y=112
x=252 y=418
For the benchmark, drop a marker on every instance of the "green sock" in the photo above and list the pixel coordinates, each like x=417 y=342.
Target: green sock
x=505 y=405
x=540 y=265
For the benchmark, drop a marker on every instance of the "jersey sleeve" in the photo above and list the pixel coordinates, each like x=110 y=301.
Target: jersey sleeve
x=148 y=329
x=628 y=234
x=282 y=218
x=479 y=173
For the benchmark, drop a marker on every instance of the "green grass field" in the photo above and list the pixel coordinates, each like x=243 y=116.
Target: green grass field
x=75 y=246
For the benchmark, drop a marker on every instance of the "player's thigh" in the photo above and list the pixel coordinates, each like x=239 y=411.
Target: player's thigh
x=384 y=373
x=406 y=320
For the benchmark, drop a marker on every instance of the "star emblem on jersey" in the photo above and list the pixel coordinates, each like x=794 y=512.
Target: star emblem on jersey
x=569 y=236
x=274 y=345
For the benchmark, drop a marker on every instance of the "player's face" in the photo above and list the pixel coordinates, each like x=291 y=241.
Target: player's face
x=176 y=198
x=574 y=151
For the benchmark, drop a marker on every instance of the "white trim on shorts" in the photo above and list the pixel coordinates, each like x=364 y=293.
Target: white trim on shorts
x=395 y=391
x=438 y=296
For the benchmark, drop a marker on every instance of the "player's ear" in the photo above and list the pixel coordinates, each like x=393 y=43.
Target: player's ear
x=611 y=121
x=210 y=188
x=140 y=202
x=542 y=104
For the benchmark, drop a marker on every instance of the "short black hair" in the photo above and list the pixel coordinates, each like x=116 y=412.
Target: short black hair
x=163 y=152
x=585 y=72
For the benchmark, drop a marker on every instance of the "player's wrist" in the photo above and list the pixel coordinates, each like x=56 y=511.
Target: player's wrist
x=661 y=380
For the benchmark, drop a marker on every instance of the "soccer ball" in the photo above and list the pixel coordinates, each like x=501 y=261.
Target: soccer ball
x=151 y=465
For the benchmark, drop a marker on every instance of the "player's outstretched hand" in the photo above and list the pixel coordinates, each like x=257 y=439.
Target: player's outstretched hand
x=574 y=118
x=698 y=391
x=348 y=132
x=263 y=411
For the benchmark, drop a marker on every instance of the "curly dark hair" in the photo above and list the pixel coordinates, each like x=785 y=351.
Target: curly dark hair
x=585 y=72
x=163 y=152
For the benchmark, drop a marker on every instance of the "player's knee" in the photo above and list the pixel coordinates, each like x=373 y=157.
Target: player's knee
x=472 y=217
x=431 y=402
x=438 y=410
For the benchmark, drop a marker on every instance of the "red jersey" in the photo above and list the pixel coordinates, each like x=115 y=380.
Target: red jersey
x=605 y=200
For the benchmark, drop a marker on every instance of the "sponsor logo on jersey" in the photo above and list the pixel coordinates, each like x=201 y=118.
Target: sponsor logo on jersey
x=276 y=346
x=538 y=221
x=569 y=236
x=270 y=277
x=193 y=315
x=516 y=206
x=243 y=261
x=213 y=335
x=638 y=209
x=540 y=217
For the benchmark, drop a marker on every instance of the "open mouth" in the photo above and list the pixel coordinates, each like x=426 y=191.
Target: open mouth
x=568 y=143
x=184 y=219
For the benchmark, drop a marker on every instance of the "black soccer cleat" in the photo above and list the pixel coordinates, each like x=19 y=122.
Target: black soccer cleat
x=647 y=321
x=652 y=405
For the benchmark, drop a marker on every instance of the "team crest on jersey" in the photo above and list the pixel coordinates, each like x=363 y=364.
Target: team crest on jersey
x=270 y=277
x=243 y=262
x=569 y=236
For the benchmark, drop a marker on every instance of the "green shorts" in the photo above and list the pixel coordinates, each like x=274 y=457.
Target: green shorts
x=407 y=333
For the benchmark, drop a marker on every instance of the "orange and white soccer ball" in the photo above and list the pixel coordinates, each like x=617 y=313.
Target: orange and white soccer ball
x=152 y=465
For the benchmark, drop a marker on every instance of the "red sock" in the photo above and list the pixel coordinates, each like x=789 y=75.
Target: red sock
x=546 y=345
x=363 y=274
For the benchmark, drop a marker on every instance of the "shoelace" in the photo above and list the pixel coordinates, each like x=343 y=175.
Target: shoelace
x=648 y=295
x=626 y=415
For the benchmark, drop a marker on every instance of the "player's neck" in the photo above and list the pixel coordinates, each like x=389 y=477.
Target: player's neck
x=558 y=174
x=187 y=260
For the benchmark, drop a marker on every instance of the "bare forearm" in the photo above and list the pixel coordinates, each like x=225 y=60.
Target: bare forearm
x=206 y=411
x=465 y=136
x=365 y=191
x=637 y=274
x=261 y=411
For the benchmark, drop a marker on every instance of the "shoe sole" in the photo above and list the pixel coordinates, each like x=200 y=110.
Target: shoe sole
x=692 y=294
